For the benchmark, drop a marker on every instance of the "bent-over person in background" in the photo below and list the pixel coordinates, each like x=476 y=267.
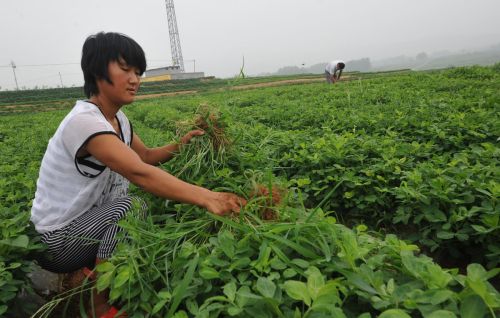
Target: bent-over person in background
x=333 y=71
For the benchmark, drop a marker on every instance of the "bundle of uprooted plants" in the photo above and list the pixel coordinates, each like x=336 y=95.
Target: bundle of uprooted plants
x=210 y=121
x=203 y=153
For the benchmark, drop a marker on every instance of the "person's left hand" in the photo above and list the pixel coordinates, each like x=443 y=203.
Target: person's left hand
x=187 y=137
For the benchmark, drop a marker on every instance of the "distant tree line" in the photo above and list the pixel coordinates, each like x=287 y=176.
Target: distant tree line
x=420 y=61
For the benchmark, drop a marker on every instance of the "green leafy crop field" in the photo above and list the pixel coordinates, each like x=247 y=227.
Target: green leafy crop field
x=374 y=197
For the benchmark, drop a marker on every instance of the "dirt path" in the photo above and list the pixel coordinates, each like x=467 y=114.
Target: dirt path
x=164 y=94
x=12 y=108
x=277 y=83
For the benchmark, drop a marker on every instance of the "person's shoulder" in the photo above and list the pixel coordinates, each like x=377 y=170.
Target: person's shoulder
x=85 y=113
x=86 y=106
x=83 y=107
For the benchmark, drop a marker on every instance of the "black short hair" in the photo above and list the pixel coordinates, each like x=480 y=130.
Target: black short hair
x=341 y=65
x=102 y=48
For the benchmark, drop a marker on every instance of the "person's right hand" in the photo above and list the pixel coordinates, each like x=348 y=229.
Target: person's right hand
x=221 y=203
x=187 y=137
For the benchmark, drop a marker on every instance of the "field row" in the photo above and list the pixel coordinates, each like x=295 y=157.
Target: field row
x=372 y=197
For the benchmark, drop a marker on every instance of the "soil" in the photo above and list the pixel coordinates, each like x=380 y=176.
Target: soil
x=138 y=97
x=12 y=108
x=278 y=83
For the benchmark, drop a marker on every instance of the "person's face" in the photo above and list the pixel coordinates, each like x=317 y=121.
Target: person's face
x=126 y=81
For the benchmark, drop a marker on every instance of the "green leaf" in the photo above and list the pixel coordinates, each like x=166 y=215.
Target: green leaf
x=122 y=277
x=244 y=296
x=477 y=280
x=361 y=228
x=434 y=296
x=262 y=261
x=145 y=295
x=328 y=294
x=305 y=252
x=481 y=229
x=394 y=313
x=303 y=181
x=266 y=287
x=208 y=273
x=180 y=314
x=277 y=264
x=104 y=280
x=300 y=263
x=226 y=243
x=444 y=235
x=348 y=194
x=314 y=281
x=230 y=291
x=192 y=306
x=298 y=291
x=159 y=305
x=240 y=263
x=233 y=311
x=433 y=214
x=180 y=291
x=105 y=267
x=14 y=265
x=116 y=293
x=390 y=286
x=289 y=273
x=164 y=294
x=358 y=281
x=472 y=307
x=441 y=314
x=20 y=241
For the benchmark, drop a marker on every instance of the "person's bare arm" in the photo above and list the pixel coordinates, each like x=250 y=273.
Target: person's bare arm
x=155 y=156
x=113 y=153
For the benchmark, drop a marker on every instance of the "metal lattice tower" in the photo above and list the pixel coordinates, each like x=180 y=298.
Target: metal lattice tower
x=175 y=43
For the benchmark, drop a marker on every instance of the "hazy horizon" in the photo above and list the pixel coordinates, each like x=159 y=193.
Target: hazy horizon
x=215 y=36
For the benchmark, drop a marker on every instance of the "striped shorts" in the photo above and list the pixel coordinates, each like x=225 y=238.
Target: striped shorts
x=92 y=235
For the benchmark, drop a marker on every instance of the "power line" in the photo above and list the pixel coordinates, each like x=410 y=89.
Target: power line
x=60 y=64
x=36 y=65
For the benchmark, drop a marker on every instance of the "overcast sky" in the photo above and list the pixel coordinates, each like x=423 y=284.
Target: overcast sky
x=216 y=34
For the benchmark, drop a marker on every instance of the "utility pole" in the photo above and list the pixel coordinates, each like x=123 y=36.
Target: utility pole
x=175 y=42
x=60 y=78
x=14 y=71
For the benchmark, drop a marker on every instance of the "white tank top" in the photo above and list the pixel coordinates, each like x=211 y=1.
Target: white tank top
x=332 y=66
x=68 y=185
